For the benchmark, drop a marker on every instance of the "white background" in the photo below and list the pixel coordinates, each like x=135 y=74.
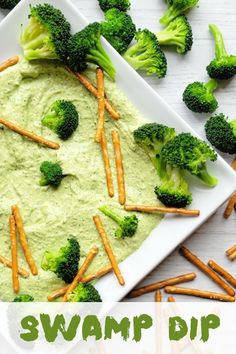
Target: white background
x=217 y=235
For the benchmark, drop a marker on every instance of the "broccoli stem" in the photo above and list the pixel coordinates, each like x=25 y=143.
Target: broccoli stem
x=206 y=178
x=220 y=50
x=168 y=16
x=51 y=120
x=211 y=85
x=100 y=57
x=167 y=37
x=105 y=210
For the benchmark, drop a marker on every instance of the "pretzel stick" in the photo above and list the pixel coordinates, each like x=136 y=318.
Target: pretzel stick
x=224 y=273
x=38 y=139
x=171 y=299
x=155 y=209
x=158 y=296
x=162 y=284
x=232 y=256
x=199 y=293
x=107 y=165
x=119 y=167
x=9 y=62
x=231 y=204
x=231 y=253
x=15 y=279
x=233 y=165
x=106 y=244
x=208 y=271
x=8 y=264
x=23 y=239
x=88 y=260
x=101 y=104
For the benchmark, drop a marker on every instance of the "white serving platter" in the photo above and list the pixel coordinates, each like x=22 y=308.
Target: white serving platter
x=173 y=230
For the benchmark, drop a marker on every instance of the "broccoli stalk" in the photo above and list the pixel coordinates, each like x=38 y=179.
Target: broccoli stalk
x=223 y=67
x=52 y=174
x=176 y=8
x=122 y=5
x=127 y=225
x=8 y=4
x=23 y=298
x=146 y=54
x=84 y=293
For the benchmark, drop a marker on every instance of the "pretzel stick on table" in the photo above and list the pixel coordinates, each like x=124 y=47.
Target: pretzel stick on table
x=199 y=293
x=158 y=296
x=119 y=167
x=156 y=209
x=231 y=253
x=9 y=62
x=224 y=273
x=101 y=104
x=233 y=165
x=14 y=257
x=230 y=206
x=8 y=264
x=107 y=165
x=171 y=299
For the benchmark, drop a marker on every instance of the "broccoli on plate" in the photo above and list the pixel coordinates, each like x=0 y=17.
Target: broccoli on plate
x=176 y=8
x=23 y=298
x=122 y=5
x=8 y=4
x=84 y=292
x=52 y=174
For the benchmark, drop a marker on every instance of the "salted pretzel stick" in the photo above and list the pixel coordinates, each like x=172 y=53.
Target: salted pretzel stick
x=199 y=293
x=8 y=264
x=101 y=104
x=9 y=62
x=119 y=167
x=14 y=258
x=88 y=260
x=231 y=253
x=23 y=239
x=107 y=165
x=156 y=209
x=106 y=244
x=171 y=299
x=162 y=284
x=230 y=206
x=224 y=273
x=205 y=269
x=158 y=296
x=38 y=139
x=233 y=165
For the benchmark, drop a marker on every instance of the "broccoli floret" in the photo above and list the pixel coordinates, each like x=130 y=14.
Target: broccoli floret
x=146 y=54
x=122 y=5
x=118 y=29
x=62 y=118
x=86 y=47
x=23 y=298
x=223 y=67
x=84 y=292
x=176 y=8
x=52 y=174
x=127 y=225
x=190 y=153
x=8 y=4
x=65 y=262
x=46 y=35
x=221 y=133
x=199 y=97
x=178 y=33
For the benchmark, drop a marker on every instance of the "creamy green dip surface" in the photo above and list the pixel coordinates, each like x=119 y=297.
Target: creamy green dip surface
x=51 y=216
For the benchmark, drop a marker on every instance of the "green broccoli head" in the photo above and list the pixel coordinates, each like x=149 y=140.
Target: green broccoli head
x=122 y=5
x=223 y=67
x=146 y=54
x=118 y=29
x=84 y=292
x=62 y=118
x=199 y=97
x=86 y=47
x=23 y=298
x=176 y=8
x=190 y=153
x=46 y=35
x=127 y=225
x=178 y=33
x=8 y=4
x=65 y=262
x=52 y=174
x=221 y=133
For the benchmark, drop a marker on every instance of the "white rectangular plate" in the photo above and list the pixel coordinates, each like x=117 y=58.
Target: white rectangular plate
x=173 y=230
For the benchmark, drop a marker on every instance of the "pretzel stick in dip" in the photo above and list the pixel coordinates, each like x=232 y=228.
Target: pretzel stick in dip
x=8 y=264
x=205 y=269
x=106 y=244
x=224 y=273
x=101 y=104
x=231 y=253
x=162 y=284
x=88 y=260
x=230 y=206
x=38 y=139
x=119 y=167
x=107 y=165
x=23 y=239
x=14 y=257
x=199 y=293
x=156 y=209
x=9 y=62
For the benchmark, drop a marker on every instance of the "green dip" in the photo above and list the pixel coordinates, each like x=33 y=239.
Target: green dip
x=51 y=216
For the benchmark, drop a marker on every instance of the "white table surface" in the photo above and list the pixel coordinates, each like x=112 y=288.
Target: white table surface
x=215 y=236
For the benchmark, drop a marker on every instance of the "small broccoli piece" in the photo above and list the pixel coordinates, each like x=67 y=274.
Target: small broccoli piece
x=52 y=174
x=86 y=47
x=127 y=225
x=199 y=97
x=122 y=5
x=118 y=29
x=190 y=153
x=65 y=262
x=46 y=35
x=221 y=133
x=84 y=292
x=176 y=8
x=62 y=118
x=178 y=33
x=8 y=4
x=223 y=67
x=146 y=54
x=23 y=298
